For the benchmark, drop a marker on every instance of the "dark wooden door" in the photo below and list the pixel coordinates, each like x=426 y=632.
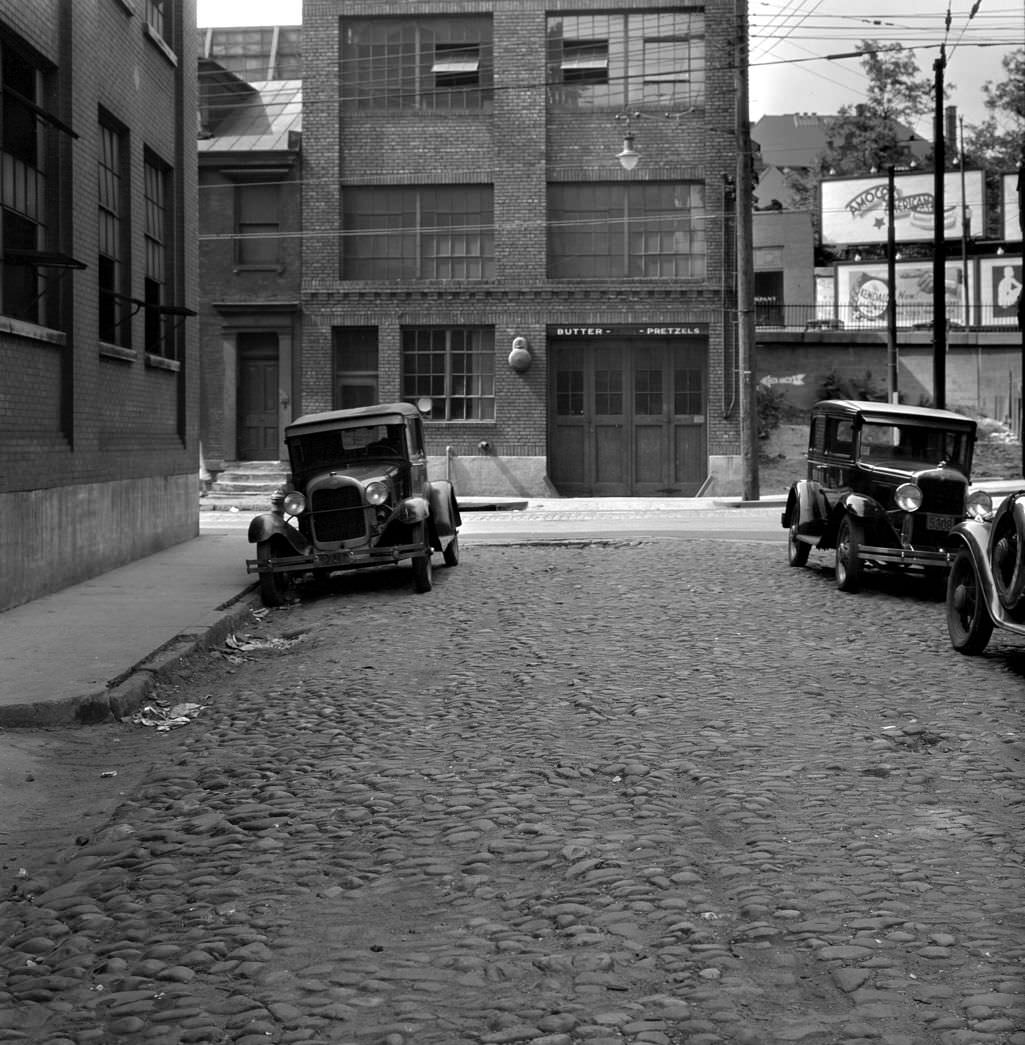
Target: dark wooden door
x=627 y=418
x=258 y=397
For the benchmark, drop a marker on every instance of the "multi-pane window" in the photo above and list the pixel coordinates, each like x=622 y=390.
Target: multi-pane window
x=355 y=367
x=688 y=391
x=257 y=53
x=606 y=230
x=112 y=269
x=257 y=206
x=418 y=232
x=427 y=63
x=609 y=61
x=156 y=288
x=23 y=195
x=569 y=393
x=155 y=16
x=454 y=367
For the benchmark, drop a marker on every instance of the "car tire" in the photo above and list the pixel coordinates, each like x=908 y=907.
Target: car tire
x=968 y=620
x=423 y=573
x=797 y=550
x=273 y=586
x=848 y=565
x=451 y=552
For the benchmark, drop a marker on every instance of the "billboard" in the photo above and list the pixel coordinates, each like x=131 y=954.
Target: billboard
x=1012 y=223
x=1000 y=289
x=862 y=294
x=854 y=210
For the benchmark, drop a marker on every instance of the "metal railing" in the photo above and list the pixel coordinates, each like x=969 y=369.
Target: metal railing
x=769 y=315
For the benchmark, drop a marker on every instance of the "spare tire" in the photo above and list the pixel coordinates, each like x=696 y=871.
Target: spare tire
x=1007 y=552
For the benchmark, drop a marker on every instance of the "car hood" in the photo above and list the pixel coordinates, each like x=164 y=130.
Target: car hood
x=367 y=472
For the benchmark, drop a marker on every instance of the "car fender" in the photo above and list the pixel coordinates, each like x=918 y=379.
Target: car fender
x=807 y=506
x=975 y=538
x=268 y=526
x=444 y=508
x=1008 y=537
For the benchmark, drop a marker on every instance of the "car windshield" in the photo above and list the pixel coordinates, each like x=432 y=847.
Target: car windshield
x=914 y=447
x=346 y=446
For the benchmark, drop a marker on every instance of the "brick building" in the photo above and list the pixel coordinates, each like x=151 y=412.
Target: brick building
x=249 y=215
x=98 y=427
x=472 y=236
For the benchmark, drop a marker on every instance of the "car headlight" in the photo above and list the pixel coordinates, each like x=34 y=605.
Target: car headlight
x=377 y=493
x=979 y=505
x=294 y=503
x=908 y=497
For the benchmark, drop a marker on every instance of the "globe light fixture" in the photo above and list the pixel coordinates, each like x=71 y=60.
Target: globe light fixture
x=628 y=158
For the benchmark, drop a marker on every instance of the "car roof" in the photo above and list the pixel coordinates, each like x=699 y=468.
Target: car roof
x=330 y=418
x=891 y=413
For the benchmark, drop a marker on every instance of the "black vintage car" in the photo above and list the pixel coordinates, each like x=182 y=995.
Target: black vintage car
x=986 y=586
x=885 y=486
x=358 y=496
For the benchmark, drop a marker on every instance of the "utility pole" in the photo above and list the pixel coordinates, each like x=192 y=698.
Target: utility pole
x=939 y=247
x=745 y=271
x=891 y=292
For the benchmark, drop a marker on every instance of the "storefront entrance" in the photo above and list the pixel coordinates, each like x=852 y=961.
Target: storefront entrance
x=628 y=411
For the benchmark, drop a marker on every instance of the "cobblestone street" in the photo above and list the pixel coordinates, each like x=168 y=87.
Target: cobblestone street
x=664 y=791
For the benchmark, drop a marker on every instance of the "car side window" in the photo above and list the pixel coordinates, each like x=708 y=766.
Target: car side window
x=839 y=436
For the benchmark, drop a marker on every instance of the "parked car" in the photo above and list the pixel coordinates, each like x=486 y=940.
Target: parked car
x=986 y=586
x=358 y=496
x=886 y=484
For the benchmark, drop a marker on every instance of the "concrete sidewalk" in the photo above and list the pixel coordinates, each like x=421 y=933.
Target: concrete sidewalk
x=93 y=650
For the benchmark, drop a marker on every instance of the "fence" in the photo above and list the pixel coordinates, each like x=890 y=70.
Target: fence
x=770 y=315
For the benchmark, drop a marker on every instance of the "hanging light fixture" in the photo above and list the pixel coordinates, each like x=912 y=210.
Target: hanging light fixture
x=629 y=157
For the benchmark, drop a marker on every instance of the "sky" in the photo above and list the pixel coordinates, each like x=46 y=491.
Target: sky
x=789 y=39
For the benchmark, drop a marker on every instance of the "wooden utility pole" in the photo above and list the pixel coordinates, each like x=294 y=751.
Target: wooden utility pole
x=745 y=271
x=939 y=247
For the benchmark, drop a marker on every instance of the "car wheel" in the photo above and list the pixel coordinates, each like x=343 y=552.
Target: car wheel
x=848 y=565
x=797 y=550
x=423 y=573
x=273 y=586
x=451 y=552
x=968 y=620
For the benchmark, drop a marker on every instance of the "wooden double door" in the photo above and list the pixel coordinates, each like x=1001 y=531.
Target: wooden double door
x=627 y=417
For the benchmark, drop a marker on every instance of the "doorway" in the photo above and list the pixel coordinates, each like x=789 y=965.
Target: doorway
x=258 y=394
x=628 y=417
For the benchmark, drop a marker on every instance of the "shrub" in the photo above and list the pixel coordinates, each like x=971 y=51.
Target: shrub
x=771 y=404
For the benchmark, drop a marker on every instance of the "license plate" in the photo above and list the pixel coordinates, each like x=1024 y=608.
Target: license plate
x=940 y=522
x=333 y=558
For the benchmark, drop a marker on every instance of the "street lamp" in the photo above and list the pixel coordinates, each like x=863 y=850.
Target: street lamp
x=629 y=157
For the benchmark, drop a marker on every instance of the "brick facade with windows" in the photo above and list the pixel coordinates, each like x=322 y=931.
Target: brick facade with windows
x=98 y=422
x=615 y=278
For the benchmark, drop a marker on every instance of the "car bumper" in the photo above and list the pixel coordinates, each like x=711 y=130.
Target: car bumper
x=940 y=557
x=339 y=559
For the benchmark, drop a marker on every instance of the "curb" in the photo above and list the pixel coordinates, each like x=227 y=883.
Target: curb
x=125 y=694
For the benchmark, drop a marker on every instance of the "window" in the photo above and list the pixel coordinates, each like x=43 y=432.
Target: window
x=355 y=366
x=688 y=391
x=442 y=64
x=418 y=232
x=455 y=367
x=155 y=16
x=156 y=289
x=23 y=186
x=112 y=270
x=256 y=222
x=600 y=230
x=640 y=59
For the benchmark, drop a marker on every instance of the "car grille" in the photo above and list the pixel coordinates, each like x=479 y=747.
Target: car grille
x=337 y=514
x=942 y=506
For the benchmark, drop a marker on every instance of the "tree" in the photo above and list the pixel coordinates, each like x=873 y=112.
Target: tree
x=875 y=132
x=998 y=143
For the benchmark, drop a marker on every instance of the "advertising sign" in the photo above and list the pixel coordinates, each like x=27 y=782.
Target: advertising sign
x=1009 y=197
x=862 y=294
x=1000 y=283
x=854 y=210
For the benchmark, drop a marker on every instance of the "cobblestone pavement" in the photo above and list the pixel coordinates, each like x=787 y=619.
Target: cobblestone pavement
x=663 y=792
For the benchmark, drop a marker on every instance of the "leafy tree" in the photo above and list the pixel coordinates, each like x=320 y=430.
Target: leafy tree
x=873 y=133
x=998 y=143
